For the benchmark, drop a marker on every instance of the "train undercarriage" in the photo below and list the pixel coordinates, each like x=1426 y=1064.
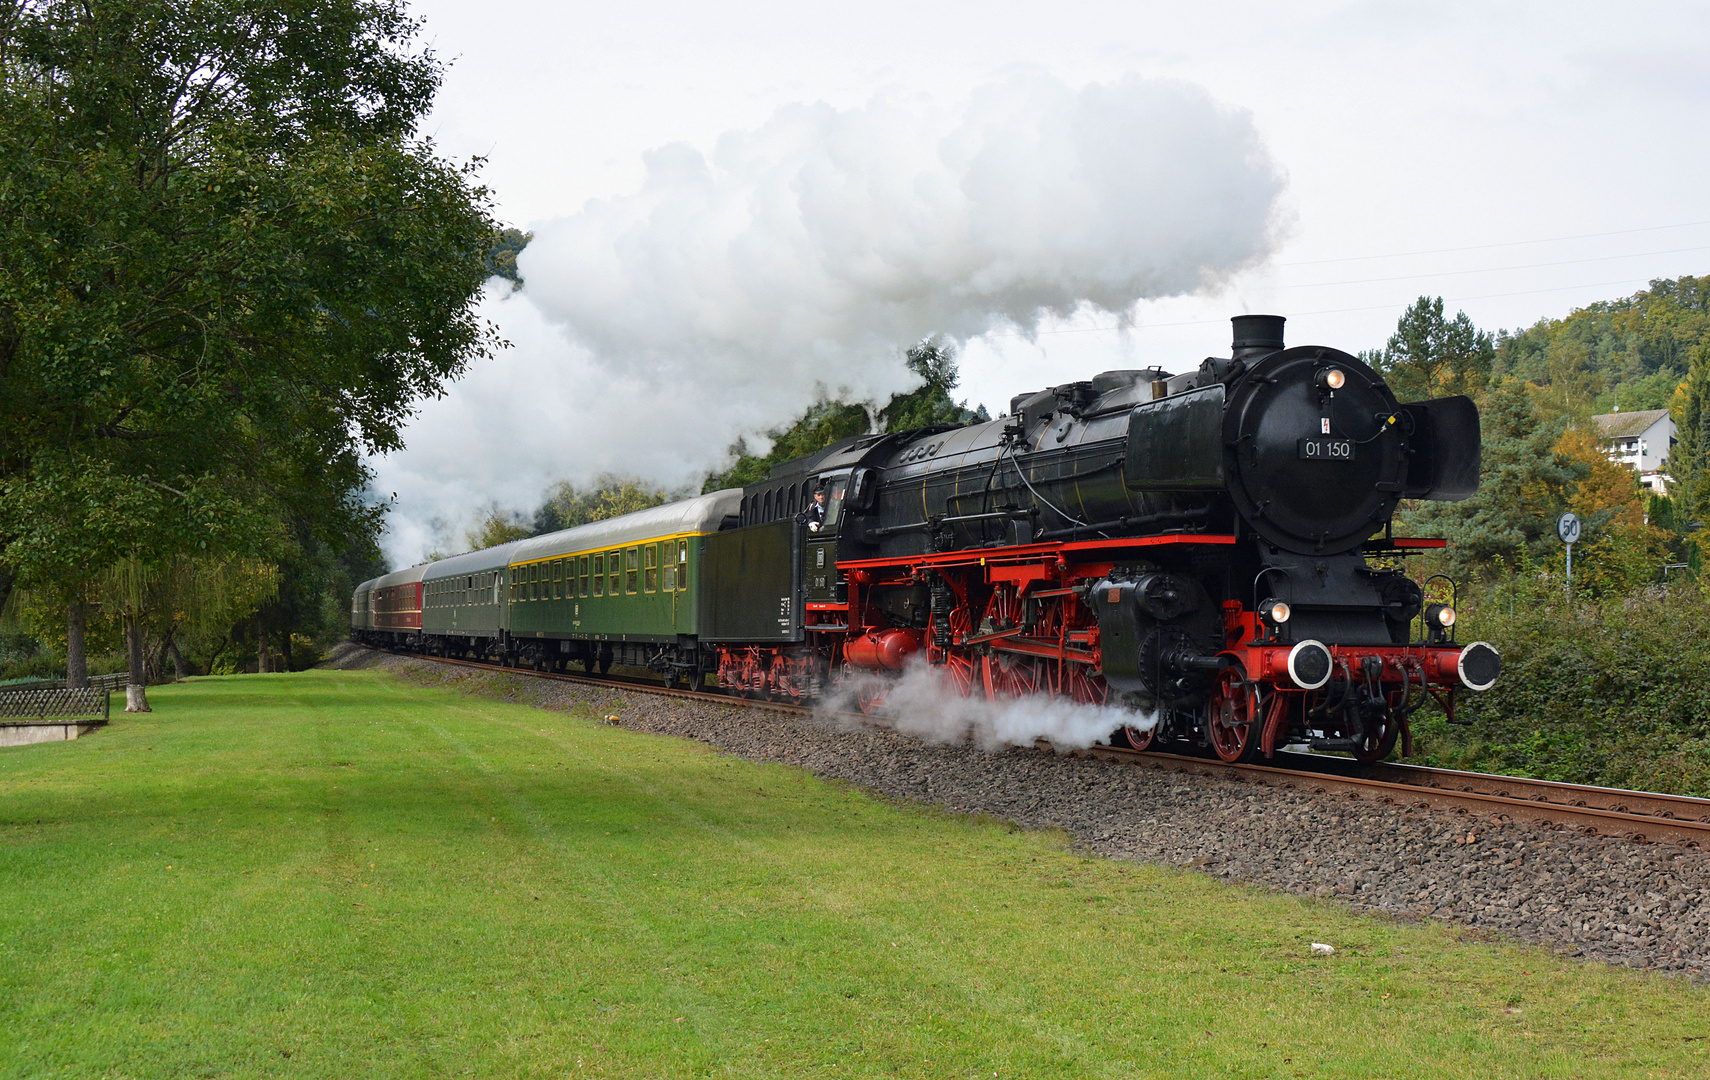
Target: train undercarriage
x=1030 y=624
x=1109 y=623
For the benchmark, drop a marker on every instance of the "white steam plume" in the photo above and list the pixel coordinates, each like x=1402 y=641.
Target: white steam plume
x=804 y=256
x=925 y=704
x=811 y=250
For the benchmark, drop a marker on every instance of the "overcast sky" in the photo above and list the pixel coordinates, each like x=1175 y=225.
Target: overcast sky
x=1324 y=161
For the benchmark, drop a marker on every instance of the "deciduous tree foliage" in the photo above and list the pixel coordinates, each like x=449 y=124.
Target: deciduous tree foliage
x=1621 y=549
x=609 y=497
x=227 y=268
x=1630 y=352
x=828 y=421
x=502 y=254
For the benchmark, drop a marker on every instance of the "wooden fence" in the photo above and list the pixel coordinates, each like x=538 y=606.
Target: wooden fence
x=116 y=681
x=41 y=704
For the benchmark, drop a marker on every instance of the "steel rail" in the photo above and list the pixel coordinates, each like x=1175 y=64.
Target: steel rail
x=1640 y=816
x=1627 y=824
x=1635 y=803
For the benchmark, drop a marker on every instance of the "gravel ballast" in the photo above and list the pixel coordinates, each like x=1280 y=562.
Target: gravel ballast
x=1639 y=905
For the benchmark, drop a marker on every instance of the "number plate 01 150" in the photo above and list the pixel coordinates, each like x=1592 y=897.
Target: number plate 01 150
x=1326 y=450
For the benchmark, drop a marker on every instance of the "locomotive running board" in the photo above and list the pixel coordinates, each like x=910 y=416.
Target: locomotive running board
x=1033 y=552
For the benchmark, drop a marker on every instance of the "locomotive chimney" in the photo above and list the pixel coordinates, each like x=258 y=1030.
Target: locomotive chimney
x=1256 y=336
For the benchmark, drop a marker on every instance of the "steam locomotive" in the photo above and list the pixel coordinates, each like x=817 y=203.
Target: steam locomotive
x=1212 y=552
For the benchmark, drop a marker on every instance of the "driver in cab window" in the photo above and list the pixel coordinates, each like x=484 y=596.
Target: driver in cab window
x=816 y=510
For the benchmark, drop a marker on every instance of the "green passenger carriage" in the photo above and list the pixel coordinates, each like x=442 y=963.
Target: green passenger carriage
x=623 y=590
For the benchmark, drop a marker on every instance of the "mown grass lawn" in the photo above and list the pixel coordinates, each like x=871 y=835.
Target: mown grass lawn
x=339 y=874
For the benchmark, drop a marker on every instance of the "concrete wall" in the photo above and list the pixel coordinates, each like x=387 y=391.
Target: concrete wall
x=23 y=733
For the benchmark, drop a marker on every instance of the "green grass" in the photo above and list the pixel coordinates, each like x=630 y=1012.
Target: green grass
x=343 y=875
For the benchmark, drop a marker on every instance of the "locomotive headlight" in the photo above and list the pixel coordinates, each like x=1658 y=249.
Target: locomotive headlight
x=1275 y=612
x=1440 y=615
x=1331 y=378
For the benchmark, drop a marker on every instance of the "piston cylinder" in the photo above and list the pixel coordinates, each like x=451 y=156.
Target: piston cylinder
x=886 y=649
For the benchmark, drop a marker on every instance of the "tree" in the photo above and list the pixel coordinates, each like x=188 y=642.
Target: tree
x=1621 y=548
x=1635 y=348
x=930 y=404
x=1525 y=482
x=610 y=497
x=1688 y=459
x=312 y=600
x=496 y=527
x=227 y=268
x=502 y=254
x=1429 y=356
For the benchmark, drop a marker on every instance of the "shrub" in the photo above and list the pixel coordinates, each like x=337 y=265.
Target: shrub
x=1614 y=692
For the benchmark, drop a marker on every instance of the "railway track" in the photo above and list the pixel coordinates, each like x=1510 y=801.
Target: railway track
x=1645 y=817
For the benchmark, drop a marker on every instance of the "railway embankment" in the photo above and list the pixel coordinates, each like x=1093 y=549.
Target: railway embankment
x=1598 y=898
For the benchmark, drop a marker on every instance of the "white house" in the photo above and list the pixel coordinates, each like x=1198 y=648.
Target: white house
x=1641 y=441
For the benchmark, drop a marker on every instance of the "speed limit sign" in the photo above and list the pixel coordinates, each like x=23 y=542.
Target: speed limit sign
x=1567 y=527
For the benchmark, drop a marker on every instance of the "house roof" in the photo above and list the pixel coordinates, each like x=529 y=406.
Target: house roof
x=1624 y=425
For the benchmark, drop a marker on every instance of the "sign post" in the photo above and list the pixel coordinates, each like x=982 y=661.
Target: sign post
x=1567 y=527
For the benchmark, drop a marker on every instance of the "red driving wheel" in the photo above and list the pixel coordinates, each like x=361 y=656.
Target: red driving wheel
x=1233 y=727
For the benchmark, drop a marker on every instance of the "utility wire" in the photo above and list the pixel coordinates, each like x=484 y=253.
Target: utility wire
x=1495 y=269
x=1323 y=311
x=1488 y=247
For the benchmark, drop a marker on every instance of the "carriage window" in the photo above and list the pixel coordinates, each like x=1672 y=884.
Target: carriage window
x=682 y=564
x=599 y=575
x=650 y=560
x=614 y=573
x=515 y=588
x=582 y=569
x=632 y=570
x=558 y=579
